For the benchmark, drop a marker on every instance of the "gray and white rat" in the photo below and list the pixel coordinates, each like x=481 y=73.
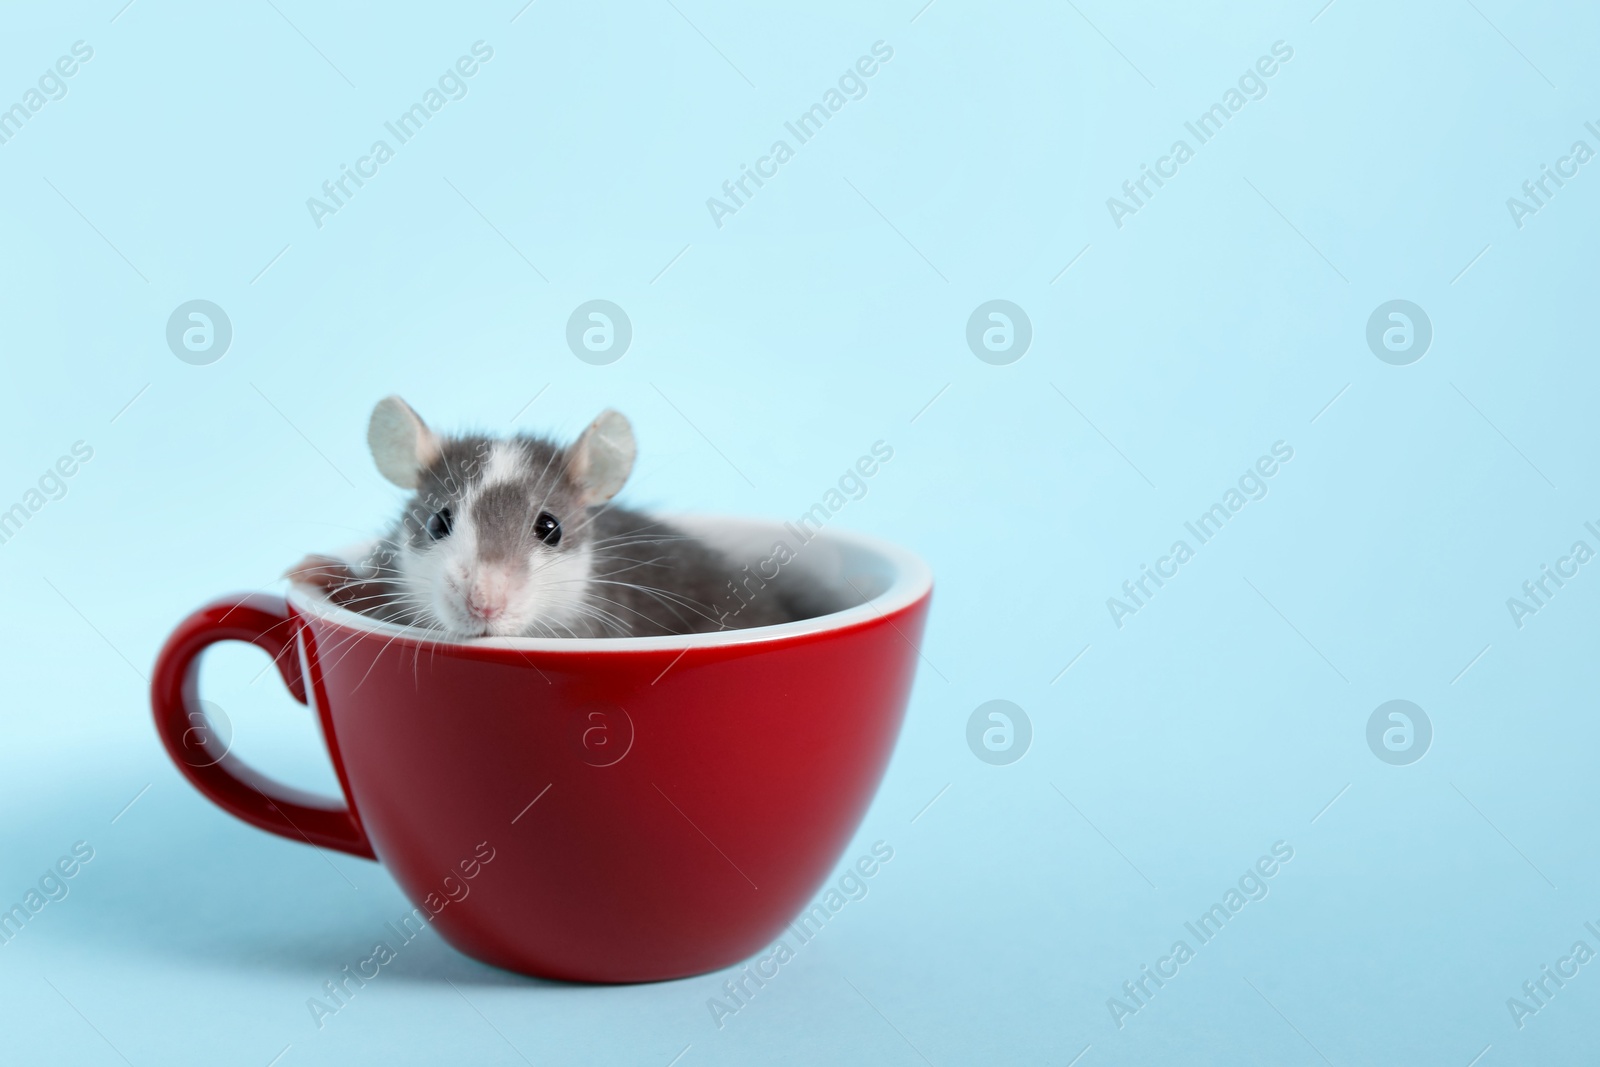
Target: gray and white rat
x=516 y=536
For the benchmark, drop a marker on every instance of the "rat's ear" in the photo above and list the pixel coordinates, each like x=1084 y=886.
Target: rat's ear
x=602 y=458
x=401 y=443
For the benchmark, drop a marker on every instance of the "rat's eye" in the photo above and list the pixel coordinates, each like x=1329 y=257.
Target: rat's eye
x=439 y=524
x=548 y=529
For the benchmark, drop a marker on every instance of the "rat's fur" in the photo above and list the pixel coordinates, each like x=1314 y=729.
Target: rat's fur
x=612 y=573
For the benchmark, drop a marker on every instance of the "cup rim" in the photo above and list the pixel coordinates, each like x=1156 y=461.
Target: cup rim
x=911 y=580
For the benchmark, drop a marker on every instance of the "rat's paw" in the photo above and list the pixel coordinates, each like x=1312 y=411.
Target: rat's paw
x=336 y=580
x=323 y=572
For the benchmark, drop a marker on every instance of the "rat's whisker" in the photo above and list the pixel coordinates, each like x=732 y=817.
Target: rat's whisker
x=520 y=535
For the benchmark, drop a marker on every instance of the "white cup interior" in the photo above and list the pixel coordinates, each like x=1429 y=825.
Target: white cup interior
x=839 y=577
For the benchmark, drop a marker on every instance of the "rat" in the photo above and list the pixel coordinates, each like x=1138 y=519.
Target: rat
x=517 y=536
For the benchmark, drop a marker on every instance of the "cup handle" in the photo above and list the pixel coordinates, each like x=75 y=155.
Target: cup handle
x=198 y=752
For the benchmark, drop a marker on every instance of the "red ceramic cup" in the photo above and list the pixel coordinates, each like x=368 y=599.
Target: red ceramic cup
x=653 y=807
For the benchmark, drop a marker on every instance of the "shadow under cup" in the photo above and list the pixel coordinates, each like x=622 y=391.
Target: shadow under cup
x=603 y=810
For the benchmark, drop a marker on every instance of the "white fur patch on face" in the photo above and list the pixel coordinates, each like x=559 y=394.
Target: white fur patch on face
x=558 y=591
x=504 y=464
x=544 y=595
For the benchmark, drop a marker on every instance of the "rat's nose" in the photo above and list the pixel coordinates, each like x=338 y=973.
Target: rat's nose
x=483 y=605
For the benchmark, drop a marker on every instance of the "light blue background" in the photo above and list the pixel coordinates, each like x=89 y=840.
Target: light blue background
x=825 y=315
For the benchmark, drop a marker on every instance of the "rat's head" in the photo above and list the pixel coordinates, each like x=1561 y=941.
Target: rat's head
x=496 y=539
